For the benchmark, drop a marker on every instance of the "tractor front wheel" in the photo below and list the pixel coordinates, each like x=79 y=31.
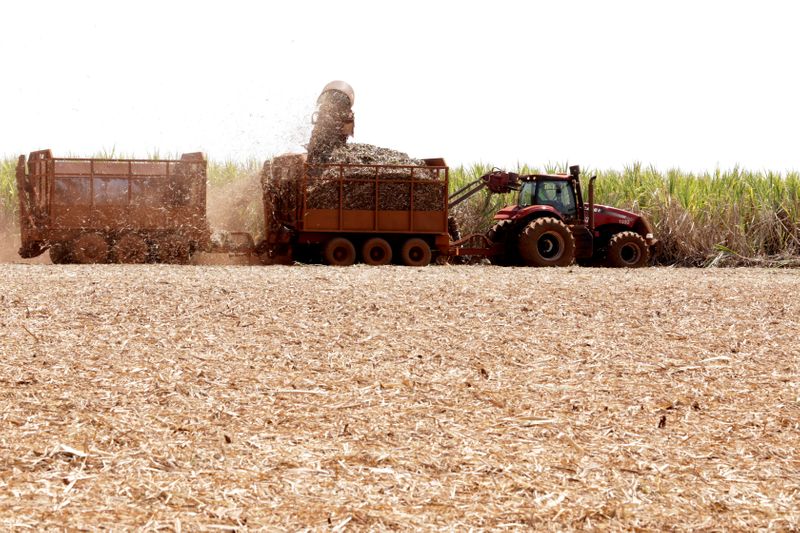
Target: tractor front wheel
x=627 y=249
x=546 y=242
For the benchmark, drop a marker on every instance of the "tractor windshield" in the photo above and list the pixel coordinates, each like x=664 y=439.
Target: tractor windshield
x=526 y=193
x=555 y=193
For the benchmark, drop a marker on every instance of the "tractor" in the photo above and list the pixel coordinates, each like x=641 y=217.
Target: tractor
x=551 y=225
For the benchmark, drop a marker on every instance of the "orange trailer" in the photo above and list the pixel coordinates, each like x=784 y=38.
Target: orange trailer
x=112 y=210
x=343 y=213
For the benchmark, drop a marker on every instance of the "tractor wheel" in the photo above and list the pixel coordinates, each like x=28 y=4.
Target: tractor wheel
x=339 y=252
x=59 y=254
x=173 y=249
x=376 y=252
x=546 y=242
x=90 y=248
x=627 y=249
x=130 y=248
x=416 y=252
x=500 y=233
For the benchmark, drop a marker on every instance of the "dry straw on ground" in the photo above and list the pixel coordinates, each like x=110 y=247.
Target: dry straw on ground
x=191 y=398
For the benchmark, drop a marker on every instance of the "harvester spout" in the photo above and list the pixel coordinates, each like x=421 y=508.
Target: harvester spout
x=333 y=121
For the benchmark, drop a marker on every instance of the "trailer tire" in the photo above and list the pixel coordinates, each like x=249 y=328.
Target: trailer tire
x=90 y=248
x=173 y=249
x=59 y=254
x=416 y=252
x=376 y=252
x=547 y=242
x=627 y=249
x=130 y=248
x=339 y=252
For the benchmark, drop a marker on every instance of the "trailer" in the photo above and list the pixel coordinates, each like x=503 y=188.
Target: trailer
x=344 y=213
x=93 y=210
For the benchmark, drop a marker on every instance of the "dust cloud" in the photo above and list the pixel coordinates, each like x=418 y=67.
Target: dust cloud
x=9 y=239
x=236 y=205
x=9 y=243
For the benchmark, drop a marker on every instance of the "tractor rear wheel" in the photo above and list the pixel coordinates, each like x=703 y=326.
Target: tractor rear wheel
x=416 y=252
x=339 y=252
x=130 y=248
x=377 y=252
x=90 y=248
x=627 y=249
x=546 y=242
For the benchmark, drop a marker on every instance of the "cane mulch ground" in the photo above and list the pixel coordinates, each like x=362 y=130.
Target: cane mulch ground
x=214 y=398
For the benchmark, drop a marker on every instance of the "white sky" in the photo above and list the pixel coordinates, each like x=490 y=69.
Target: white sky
x=689 y=84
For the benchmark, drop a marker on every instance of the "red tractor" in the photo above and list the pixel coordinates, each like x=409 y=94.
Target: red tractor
x=550 y=225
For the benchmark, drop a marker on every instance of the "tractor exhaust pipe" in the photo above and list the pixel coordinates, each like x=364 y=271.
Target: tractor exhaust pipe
x=591 y=203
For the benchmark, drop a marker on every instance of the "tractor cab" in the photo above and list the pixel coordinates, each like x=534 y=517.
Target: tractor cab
x=555 y=195
x=556 y=191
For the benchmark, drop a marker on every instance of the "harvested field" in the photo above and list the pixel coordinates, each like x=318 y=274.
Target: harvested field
x=193 y=398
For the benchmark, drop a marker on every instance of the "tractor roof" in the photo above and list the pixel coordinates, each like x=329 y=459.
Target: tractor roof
x=552 y=177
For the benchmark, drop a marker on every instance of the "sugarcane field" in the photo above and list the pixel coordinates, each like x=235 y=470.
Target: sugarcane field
x=256 y=316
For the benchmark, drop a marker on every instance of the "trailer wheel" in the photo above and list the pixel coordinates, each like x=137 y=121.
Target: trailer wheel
x=130 y=248
x=376 y=252
x=59 y=254
x=627 y=249
x=90 y=248
x=546 y=242
x=416 y=252
x=339 y=252
x=173 y=249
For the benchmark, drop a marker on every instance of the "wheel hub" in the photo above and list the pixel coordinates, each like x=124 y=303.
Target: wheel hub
x=340 y=254
x=630 y=253
x=551 y=246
